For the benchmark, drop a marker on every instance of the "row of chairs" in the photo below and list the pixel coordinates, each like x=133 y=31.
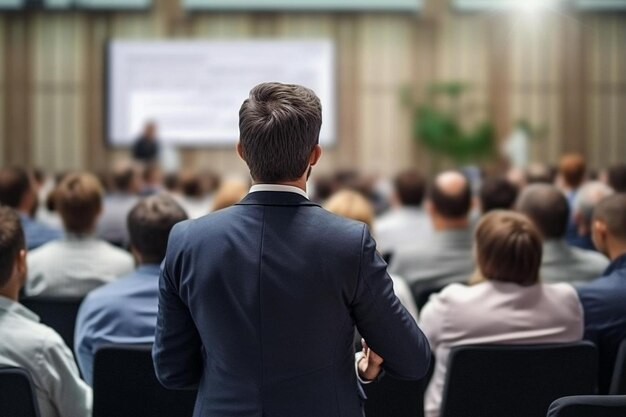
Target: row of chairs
x=520 y=381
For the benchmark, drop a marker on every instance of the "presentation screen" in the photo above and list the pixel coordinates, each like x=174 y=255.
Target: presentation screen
x=193 y=90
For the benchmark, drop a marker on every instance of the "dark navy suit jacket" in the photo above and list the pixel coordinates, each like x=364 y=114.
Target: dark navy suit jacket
x=257 y=309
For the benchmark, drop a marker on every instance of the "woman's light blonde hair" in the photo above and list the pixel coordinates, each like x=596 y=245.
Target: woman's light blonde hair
x=351 y=204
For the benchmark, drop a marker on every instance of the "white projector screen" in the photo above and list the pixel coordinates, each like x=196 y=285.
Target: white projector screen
x=193 y=90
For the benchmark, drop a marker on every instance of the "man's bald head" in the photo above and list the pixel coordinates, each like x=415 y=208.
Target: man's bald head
x=451 y=195
x=547 y=208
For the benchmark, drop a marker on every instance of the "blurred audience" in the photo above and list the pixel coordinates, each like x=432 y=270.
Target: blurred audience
x=75 y=265
x=230 y=192
x=547 y=207
x=589 y=195
x=193 y=196
x=17 y=191
x=604 y=299
x=125 y=311
x=117 y=204
x=152 y=179
x=445 y=255
x=539 y=173
x=510 y=306
x=406 y=221
x=616 y=177
x=571 y=175
x=30 y=345
x=497 y=193
x=353 y=205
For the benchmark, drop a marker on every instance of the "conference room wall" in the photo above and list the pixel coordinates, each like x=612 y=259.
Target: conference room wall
x=564 y=71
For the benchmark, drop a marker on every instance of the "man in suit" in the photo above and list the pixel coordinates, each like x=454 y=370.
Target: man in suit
x=258 y=302
x=603 y=298
x=547 y=207
x=446 y=256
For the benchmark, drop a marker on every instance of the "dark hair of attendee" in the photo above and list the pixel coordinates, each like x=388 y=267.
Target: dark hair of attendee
x=15 y=183
x=547 y=207
x=453 y=206
x=78 y=199
x=11 y=242
x=617 y=177
x=149 y=225
x=497 y=193
x=324 y=187
x=540 y=174
x=123 y=179
x=612 y=212
x=38 y=176
x=171 y=181
x=279 y=126
x=508 y=248
x=572 y=168
x=410 y=187
x=190 y=184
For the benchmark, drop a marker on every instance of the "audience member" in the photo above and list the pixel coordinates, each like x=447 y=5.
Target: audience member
x=604 y=299
x=497 y=193
x=152 y=178
x=117 y=204
x=510 y=306
x=539 y=174
x=125 y=311
x=406 y=222
x=18 y=192
x=353 y=205
x=229 y=193
x=616 y=177
x=585 y=201
x=548 y=209
x=80 y=262
x=446 y=256
x=571 y=175
x=30 y=345
x=192 y=195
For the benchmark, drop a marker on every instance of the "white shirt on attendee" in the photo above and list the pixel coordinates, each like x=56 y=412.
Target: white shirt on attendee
x=401 y=226
x=496 y=312
x=75 y=265
x=40 y=350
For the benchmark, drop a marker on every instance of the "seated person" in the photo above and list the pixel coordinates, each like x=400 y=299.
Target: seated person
x=351 y=204
x=510 y=306
x=497 y=193
x=585 y=201
x=604 y=299
x=125 y=311
x=18 y=192
x=30 y=345
x=75 y=265
x=547 y=207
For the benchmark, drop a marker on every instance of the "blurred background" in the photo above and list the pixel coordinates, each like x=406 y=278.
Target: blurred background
x=409 y=83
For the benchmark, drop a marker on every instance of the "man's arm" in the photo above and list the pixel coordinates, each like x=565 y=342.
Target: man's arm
x=385 y=324
x=177 y=350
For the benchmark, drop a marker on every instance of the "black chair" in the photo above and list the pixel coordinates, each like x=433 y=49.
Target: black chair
x=516 y=380
x=618 y=380
x=17 y=395
x=422 y=290
x=589 y=406
x=125 y=385
x=58 y=313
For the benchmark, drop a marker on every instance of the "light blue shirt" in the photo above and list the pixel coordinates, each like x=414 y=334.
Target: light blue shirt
x=36 y=233
x=122 y=312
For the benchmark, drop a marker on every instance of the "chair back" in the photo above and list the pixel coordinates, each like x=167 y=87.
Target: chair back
x=618 y=381
x=125 y=385
x=58 y=313
x=589 y=406
x=516 y=380
x=17 y=393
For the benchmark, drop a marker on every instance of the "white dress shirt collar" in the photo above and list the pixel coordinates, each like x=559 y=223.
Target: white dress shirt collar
x=278 y=187
x=14 y=307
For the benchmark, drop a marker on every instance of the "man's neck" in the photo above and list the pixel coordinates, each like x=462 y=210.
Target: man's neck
x=300 y=183
x=616 y=251
x=450 y=224
x=10 y=291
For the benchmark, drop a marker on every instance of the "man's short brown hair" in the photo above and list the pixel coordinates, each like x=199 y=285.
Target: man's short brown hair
x=78 y=198
x=547 y=207
x=279 y=126
x=15 y=183
x=572 y=168
x=410 y=187
x=508 y=248
x=11 y=242
x=612 y=211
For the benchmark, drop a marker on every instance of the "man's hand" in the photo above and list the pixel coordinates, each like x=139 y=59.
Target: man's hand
x=369 y=364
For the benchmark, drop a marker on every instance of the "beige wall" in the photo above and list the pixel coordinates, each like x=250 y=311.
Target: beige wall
x=567 y=72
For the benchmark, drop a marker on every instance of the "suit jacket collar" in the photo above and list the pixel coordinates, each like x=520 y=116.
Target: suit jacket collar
x=275 y=198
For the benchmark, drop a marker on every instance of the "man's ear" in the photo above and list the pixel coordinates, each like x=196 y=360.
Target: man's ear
x=428 y=205
x=239 y=150
x=20 y=266
x=316 y=154
x=598 y=234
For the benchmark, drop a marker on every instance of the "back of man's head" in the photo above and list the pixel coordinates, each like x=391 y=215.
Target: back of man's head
x=11 y=243
x=587 y=199
x=572 y=169
x=451 y=195
x=15 y=184
x=125 y=179
x=617 y=177
x=547 y=207
x=410 y=187
x=78 y=199
x=497 y=193
x=539 y=174
x=612 y=212
x=279 y=126
x=149 y=225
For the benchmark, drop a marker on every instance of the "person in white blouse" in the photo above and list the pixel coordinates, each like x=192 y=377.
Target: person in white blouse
x=30 y=345
x=79 y=263
x=509 y=306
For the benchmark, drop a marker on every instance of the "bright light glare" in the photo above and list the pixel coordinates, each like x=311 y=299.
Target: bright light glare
x=534 y=6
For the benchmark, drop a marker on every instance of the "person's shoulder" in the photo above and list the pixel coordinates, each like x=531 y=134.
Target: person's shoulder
x=589 y=256
x=113 y=251
x=44 y=251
